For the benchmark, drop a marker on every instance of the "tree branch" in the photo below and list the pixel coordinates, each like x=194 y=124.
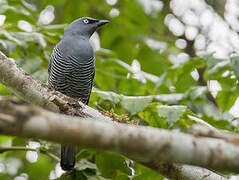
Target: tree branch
x=35 y=92
x=186 y=172
x=146 y=145
x=23 y=148
x=152 y=147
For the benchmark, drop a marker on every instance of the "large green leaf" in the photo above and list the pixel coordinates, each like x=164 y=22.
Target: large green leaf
x=171 y=113
x=226 y=99
x=111 y=165
x=164 y=116
x=142 y=172
x=40 y=169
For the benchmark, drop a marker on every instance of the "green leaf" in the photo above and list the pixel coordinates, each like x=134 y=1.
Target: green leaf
x=171 y=113
x=196 y=92
x=30 y=36
x=3 y=90
x=107 y=95
x=151 y=116
x=40 y=169
x=179 y=77
x=226 y=99
x=5 y=139
x=111 y=164
x=19 y=142
x=142 y=172
x=220 y=67
x=136 y=104
x=235 y=65
x=164 y=116
x=84 y=164
x=122 y=176
x=211 y=61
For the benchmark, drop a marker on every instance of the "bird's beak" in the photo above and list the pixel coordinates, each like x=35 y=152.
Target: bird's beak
x=102 y=22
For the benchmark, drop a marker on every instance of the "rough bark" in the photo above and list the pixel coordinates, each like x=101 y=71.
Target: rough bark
x=146 y=145
x=158 y=149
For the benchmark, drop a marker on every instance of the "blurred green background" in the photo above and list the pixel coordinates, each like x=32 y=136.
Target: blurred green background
x=158 y=63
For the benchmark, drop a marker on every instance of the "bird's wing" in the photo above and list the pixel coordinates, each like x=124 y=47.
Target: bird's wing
x=91 y=85
x=59 y=68
x=83 y=75
x=49 y=66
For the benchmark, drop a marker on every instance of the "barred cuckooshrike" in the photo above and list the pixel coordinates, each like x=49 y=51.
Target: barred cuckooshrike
x=71 y=69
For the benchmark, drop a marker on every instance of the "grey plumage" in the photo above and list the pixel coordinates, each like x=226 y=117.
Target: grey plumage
x=70 y=76
x=71 y=69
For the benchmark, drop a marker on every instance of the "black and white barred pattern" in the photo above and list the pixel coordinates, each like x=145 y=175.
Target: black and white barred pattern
x=70 y=77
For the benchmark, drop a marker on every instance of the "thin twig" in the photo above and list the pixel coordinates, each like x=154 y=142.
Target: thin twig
x=22 y=148
x=53 y=156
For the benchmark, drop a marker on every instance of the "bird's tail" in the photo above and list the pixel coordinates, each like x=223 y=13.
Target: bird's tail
x=67 y=157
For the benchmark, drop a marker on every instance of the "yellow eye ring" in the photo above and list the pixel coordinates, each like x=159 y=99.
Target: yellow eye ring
x=86 y=21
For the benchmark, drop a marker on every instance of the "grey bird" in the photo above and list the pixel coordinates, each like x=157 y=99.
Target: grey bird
x=72 y=68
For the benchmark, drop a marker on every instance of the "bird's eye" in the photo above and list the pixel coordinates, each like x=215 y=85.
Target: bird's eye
x=86 y=21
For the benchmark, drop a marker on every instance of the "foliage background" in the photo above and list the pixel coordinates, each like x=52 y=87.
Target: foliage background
x=155 y=66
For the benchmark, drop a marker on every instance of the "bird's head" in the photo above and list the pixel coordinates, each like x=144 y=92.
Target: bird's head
x=84 y=26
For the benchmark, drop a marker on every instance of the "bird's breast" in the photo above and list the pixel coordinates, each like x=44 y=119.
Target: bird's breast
x=79 y=49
